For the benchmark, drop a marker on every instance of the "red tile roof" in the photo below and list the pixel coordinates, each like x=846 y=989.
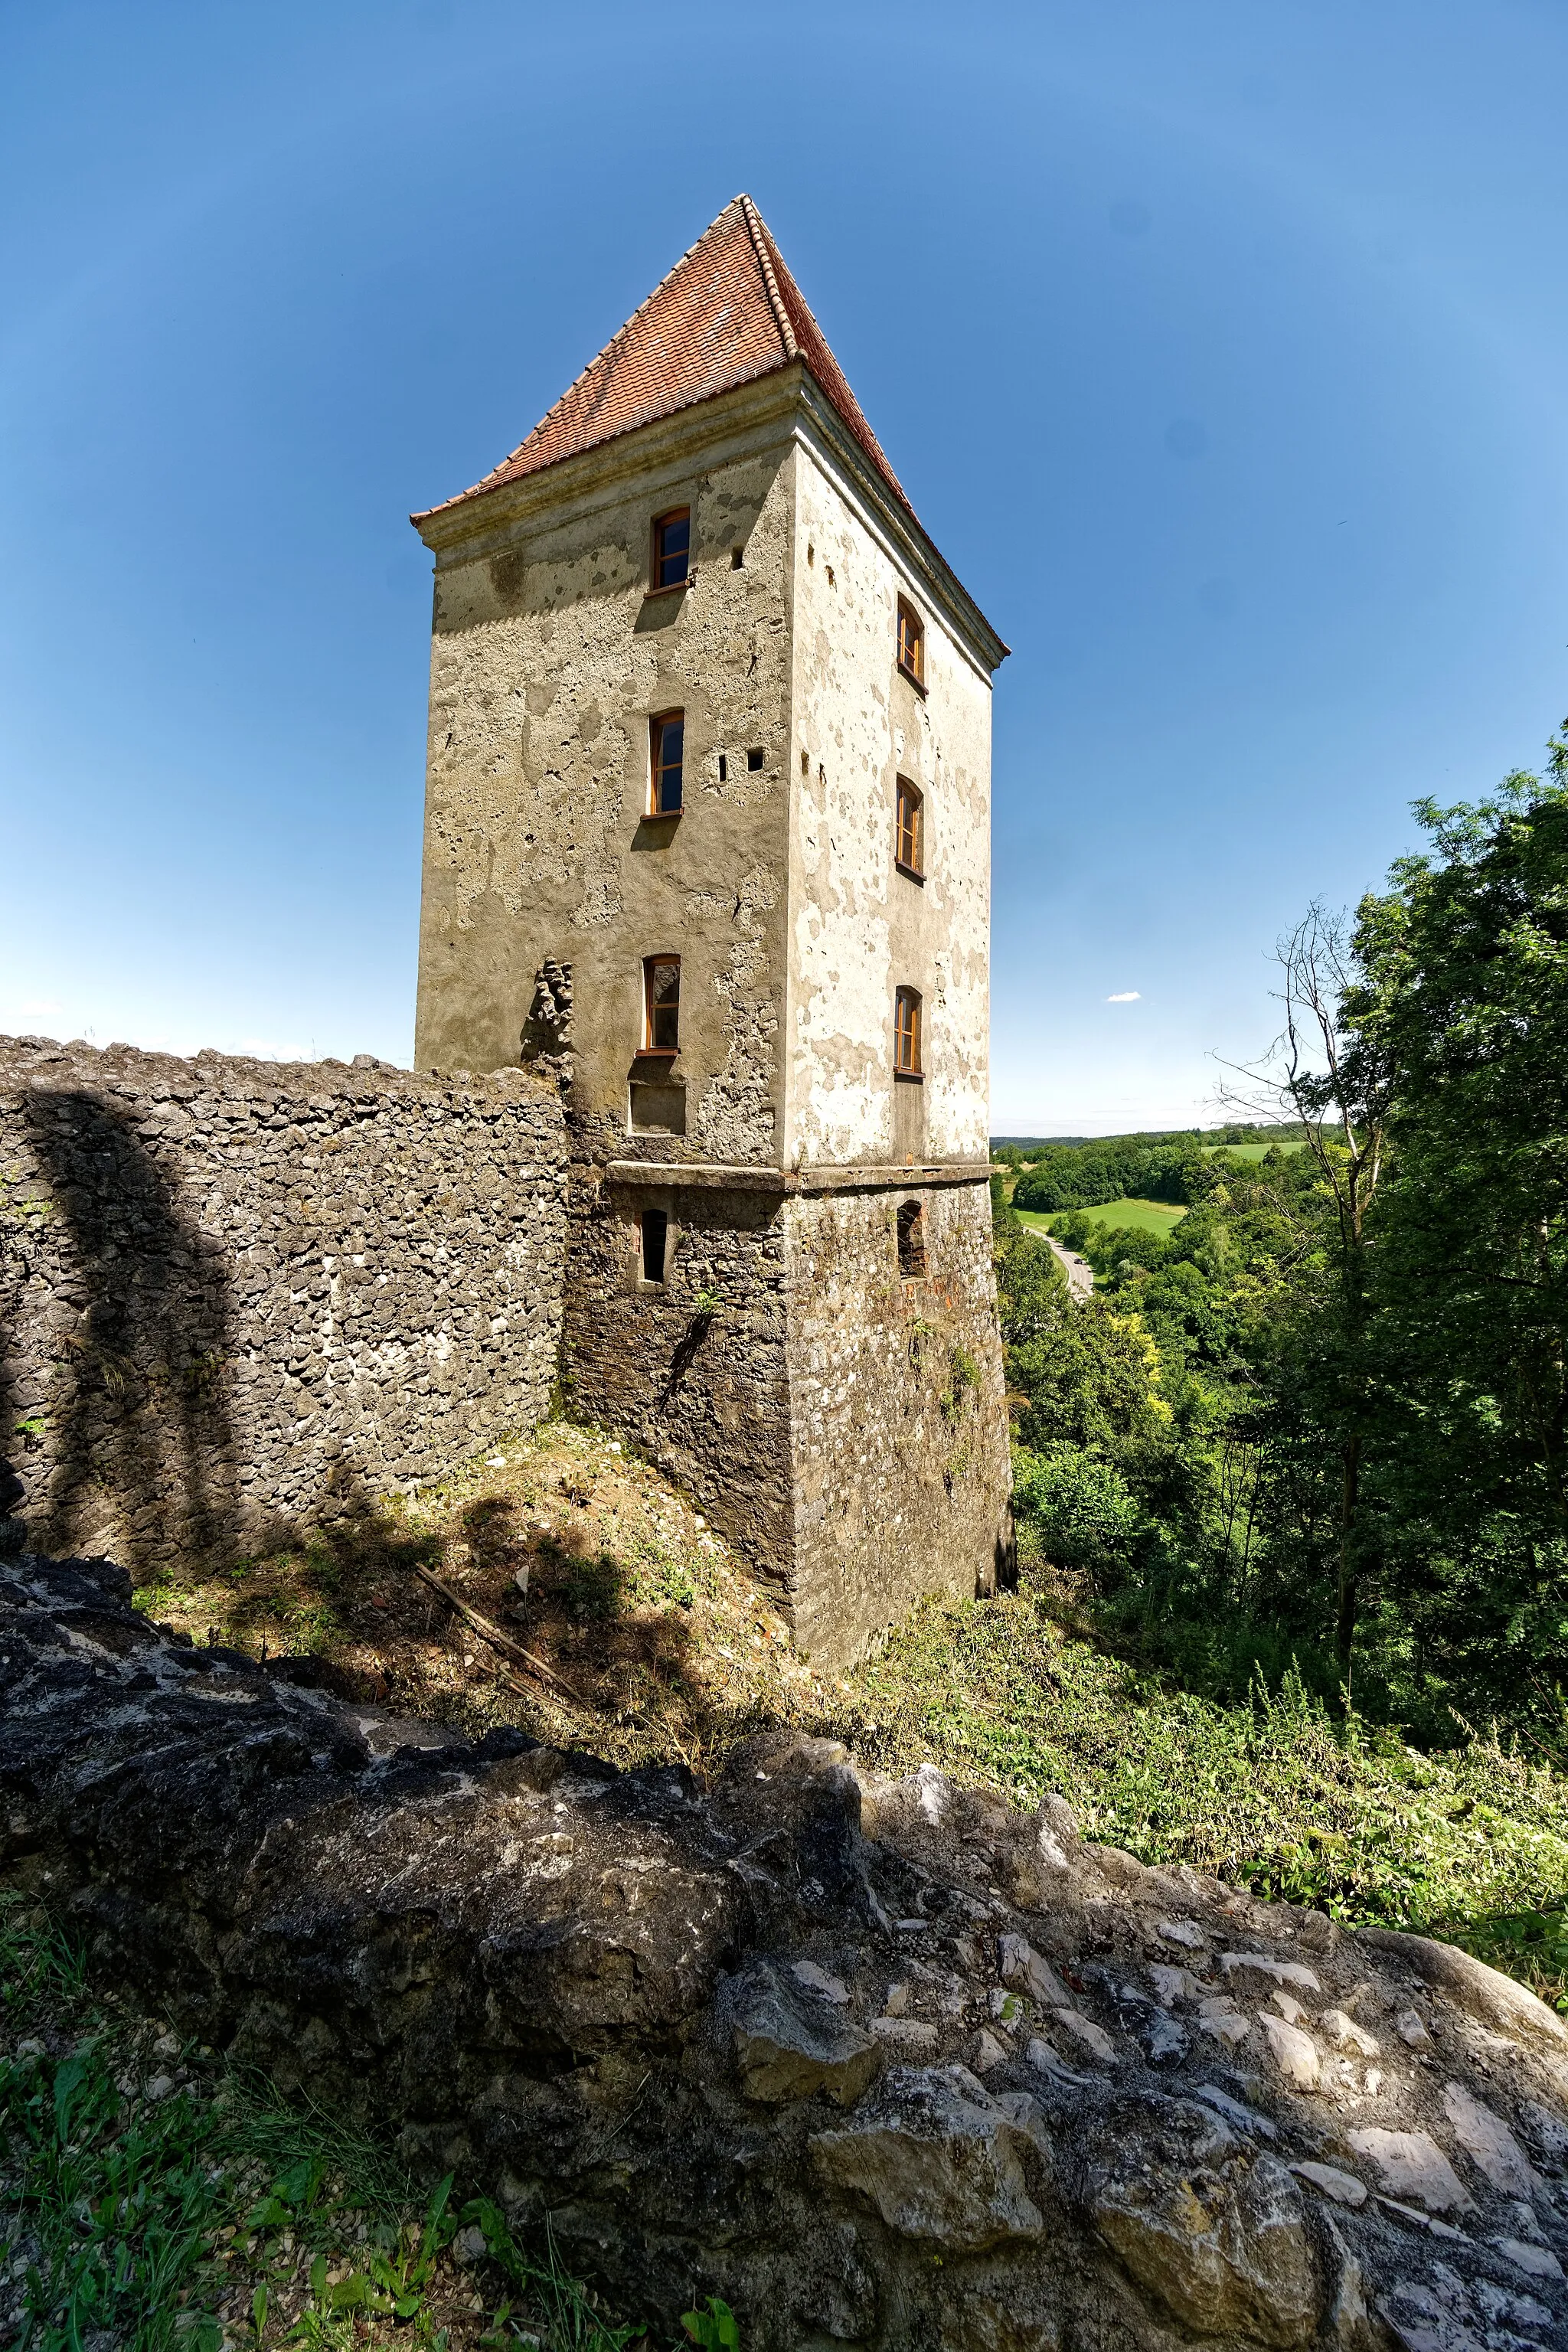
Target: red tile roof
x=728 y=313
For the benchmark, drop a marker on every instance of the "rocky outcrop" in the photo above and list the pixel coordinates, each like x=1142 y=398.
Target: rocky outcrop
x=884 y=2063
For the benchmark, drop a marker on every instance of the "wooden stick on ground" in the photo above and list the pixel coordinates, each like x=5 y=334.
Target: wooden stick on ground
x=489 y=1632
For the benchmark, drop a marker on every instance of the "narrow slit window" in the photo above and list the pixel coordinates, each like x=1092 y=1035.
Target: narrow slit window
x=672 y=547
x=661 y=1005
x=655 y=1243
x=911 y=643
x=907 y=1034
x=911 y=1239
x=667 y=764
x=912 y=828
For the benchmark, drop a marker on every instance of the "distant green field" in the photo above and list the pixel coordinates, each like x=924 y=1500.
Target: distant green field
x=1250 y=1150
x=1145 y=1216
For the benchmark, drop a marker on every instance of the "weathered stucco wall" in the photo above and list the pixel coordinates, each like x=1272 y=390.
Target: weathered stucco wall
x=859 y=928
x=239 y=1298
x=896 y=1411
x=549 y=658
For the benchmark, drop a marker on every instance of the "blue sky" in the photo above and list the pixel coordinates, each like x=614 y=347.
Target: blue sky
x=1221 y=347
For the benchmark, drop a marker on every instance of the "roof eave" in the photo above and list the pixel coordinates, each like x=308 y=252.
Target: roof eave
x=915 y=544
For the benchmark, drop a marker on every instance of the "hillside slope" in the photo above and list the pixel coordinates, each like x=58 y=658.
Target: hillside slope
x=651 y=1640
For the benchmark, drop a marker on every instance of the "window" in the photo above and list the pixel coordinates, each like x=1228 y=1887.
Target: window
x=911 y=643
x=655 y=1226
x=737 y=557
x=911 y=1239
x=672 y=547
x=911 y=851
x=666 y=761
x=723 y=769
x=754 y=759
x=661 y=1005
x=907 y=1034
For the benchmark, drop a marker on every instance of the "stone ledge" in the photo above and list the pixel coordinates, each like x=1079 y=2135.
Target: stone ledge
x=715 y=1176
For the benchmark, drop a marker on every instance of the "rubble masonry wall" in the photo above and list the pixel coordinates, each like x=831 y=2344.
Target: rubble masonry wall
x=240 y=1300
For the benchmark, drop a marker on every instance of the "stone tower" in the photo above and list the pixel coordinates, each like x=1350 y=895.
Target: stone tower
x=708 y=831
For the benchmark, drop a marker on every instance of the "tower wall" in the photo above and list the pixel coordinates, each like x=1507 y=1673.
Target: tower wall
x=859 y=927
x=549 y=658
x=897 y=1416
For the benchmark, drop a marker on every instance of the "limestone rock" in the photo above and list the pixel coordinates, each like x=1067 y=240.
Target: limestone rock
x=1536 y=2261
x=1412 y=2166
x=1488 y=2141
x=1185 y=1932
x=1021 y=1967
x=937 y=2164
x=1223 y=2022
x=1084 y=2030
x=789 y=2047
x=1497 y=2000
x=1216 y=2233
x=1264 y=1964
x=1343 y=2034
x=1172 y=1985
x=1342 y=2187
x=819 y=1980
x=905 y=2032
x=1294 y=2053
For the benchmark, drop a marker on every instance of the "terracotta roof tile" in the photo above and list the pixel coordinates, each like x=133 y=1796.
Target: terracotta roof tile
x=728 y=313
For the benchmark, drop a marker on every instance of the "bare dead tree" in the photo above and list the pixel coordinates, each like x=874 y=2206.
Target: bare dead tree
x=1329 y=1071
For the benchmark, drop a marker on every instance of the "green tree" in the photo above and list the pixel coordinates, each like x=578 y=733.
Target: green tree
x=1466 y=963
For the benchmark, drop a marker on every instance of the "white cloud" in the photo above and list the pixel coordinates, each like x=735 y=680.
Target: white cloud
x=1127 y=996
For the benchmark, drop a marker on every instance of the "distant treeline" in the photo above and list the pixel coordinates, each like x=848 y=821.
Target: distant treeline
x=1177 y=1168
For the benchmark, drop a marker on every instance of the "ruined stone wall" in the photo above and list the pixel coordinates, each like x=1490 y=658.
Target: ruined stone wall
x=898 y=1411
x=883 y=2062
x=549 y=660
x=240 y=1299
x=859 y=928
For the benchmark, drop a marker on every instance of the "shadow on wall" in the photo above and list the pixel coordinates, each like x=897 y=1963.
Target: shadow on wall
x=134 y=1451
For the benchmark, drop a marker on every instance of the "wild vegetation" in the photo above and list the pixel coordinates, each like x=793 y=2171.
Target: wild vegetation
x=1321 y=1427
x=153 y=2198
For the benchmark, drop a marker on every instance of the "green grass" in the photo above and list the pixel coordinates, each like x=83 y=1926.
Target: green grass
x=1143 y=1216
x=152 y=2198
x=1279 y=1794
x=1251 y=1151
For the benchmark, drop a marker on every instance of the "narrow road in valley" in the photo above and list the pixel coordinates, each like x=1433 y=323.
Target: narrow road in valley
x=1079 y=1272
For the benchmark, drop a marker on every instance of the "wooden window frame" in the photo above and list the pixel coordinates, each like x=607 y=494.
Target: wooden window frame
x=656 y=727
x=912 y=639
x=651 y=1011
x=907 y=1026
x=905 y=793
x=657 y=587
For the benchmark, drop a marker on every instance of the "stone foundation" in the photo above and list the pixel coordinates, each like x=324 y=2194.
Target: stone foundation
x=899 y=1418
x=840 y=1418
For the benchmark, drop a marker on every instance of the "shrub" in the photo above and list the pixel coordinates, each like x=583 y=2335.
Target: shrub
x=1079 y=1508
